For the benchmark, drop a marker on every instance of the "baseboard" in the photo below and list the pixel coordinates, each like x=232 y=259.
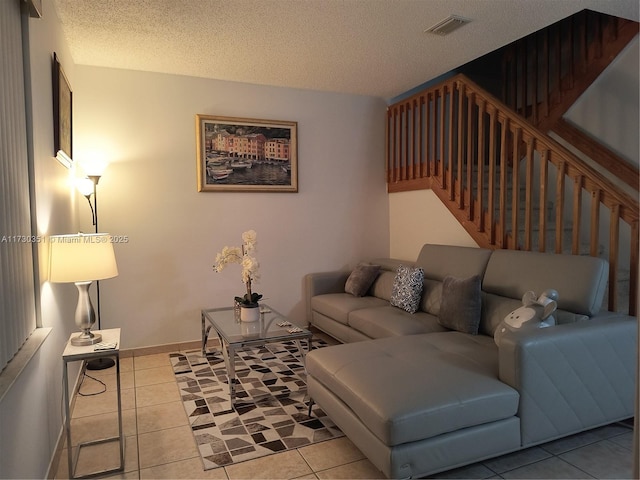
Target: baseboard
x=166 y=348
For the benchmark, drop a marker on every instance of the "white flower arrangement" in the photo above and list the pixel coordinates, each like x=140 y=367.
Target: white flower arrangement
x=250 y=266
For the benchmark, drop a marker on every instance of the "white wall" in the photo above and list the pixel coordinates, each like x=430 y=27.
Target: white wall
x=30 y=412
x=608 y=109
x=144 y=125
x=419 y=217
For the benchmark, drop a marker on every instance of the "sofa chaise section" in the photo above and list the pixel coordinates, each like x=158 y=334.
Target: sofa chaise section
x=418 y=398
x=417 y=394
x=571 y=377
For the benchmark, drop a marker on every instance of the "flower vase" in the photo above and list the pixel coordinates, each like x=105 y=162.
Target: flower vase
x=249 y=313
x=250 y=329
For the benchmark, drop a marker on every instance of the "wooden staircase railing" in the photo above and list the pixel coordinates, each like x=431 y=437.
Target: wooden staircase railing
x=601 y=155
x=544 y=73
x=497 y=174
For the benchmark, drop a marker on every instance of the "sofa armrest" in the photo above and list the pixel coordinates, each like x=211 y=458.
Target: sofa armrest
x=571 y=377
x=323 y=282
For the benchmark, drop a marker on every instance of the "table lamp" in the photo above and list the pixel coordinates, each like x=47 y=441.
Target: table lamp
x=81 y=259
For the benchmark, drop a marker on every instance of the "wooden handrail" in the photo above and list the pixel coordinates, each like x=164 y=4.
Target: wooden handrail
x=612 y=162
x=497 y=173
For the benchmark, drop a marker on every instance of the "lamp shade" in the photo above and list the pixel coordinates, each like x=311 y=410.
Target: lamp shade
x=81 y=258
x=85 y=186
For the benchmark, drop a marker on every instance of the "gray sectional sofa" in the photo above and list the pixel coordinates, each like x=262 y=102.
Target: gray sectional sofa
x=419 y=398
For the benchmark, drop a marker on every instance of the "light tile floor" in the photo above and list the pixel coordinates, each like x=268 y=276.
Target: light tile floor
x=159 y=443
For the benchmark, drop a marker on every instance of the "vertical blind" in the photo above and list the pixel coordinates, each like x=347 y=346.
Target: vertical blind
x=17 y=290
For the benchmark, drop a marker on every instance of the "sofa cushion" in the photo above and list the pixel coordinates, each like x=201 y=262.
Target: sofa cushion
x=338 y=305
x=563 y=317
x=361 y=279
x=495 y=308
x=461 y=304
x=383 y=285
x=439 y=261
x=415 y=387
x=431 y=296
x=390 y=321
x=407 y=288
x=511 y=273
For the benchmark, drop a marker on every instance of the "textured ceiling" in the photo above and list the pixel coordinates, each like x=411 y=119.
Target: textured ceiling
x=367 y=47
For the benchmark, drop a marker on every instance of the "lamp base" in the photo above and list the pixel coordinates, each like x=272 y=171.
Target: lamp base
x=86 y=338
x=100 y=363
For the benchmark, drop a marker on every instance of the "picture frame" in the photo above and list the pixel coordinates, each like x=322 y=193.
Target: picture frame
x=246 y=155
x=62 y=115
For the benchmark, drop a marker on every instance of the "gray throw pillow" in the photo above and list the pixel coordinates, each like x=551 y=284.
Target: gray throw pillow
x=407 y=288
x=361 y=279
x=461 y=304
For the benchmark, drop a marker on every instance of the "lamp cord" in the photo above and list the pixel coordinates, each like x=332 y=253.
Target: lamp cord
x=84 y=375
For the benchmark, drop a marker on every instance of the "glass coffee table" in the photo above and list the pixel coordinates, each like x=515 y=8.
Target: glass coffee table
x=234 y=335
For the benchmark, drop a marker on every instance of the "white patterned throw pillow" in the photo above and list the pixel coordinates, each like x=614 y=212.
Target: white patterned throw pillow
x=407 y=288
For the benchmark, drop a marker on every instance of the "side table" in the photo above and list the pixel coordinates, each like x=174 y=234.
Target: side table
x=74 y=353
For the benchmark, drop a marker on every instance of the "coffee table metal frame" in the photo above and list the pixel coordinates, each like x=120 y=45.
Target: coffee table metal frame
x=235 y=335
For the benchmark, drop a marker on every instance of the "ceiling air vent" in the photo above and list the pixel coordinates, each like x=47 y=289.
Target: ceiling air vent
x=448 y=25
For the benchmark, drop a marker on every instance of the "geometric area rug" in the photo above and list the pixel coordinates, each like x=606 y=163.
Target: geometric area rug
x=271 y=403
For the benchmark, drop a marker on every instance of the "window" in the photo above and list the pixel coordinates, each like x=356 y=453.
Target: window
x=17 y=288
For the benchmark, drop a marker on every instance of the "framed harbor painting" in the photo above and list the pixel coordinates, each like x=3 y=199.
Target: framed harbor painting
x=246 y=155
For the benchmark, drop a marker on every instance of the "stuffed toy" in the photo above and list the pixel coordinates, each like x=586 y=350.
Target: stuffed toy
x=536 y=312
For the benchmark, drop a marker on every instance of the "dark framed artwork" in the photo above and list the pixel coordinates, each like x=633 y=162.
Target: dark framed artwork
x=246 y=155
x=62 y=115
